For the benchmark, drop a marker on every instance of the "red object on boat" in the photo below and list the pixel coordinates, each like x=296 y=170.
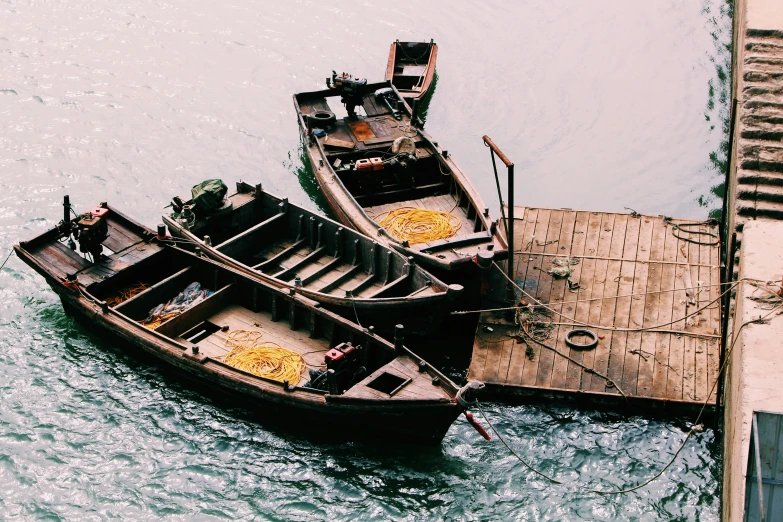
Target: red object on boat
x=478 y=427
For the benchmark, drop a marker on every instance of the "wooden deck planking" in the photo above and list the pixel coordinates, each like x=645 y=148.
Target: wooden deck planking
x=557 y=368
x=583 y=274
x=713 y=346
x=525 y=230
x=605 y=235
x=611 y=285
x=647 y=343
x=630 y=276
x=545 y=285
x=531 y=286
x=632 y=355
x=625 y=286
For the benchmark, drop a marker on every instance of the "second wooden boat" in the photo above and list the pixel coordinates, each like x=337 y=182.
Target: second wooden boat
x=205 y=320
x=411 y=68
x=377 y=167
x=283 y=244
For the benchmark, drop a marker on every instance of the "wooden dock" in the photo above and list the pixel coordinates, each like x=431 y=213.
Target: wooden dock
x=630 y=271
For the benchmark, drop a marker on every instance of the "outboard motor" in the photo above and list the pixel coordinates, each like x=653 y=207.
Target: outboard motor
x=390 y=99
x=89 y=229
x=351 y=90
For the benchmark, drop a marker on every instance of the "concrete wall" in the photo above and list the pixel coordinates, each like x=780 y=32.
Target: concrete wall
x=754 y=379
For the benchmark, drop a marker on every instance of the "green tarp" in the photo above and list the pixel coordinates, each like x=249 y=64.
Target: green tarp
x=209 y=195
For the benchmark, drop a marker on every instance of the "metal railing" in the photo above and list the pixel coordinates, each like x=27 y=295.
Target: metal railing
x=494 y=150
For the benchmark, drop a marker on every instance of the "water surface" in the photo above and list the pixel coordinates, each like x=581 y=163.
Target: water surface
x=601 y=106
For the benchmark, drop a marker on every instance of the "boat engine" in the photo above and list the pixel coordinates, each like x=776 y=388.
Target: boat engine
x=348 y=370
x=90 y=229
x=403 y=163
x=351 y=90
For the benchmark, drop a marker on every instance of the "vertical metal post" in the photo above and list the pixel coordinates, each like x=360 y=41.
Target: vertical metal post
x=510 y=221
x=510 y=233
x=66 y=210
x=757 y=456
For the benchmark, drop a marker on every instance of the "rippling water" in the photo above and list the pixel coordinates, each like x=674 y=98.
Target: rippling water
x=620 y=104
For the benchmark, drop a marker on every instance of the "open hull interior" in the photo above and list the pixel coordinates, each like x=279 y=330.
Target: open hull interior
x=374 y=162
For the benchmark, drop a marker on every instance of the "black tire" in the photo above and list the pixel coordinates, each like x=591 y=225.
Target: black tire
x=322 y=119
x=592 y=344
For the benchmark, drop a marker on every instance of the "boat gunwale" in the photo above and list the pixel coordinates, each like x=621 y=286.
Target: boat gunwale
x=446 y=292
x=171 y=351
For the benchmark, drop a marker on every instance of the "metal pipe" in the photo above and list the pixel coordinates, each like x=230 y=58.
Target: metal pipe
x=66 y=211
x=757 y=456
x=510 y=221
x=497 y=184
x=510 y=231
x=496 y=150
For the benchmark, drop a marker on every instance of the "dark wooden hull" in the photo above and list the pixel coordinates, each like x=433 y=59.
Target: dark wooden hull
x=445 y=186
x=352 y=414
x=260 y=223
x=407 y=55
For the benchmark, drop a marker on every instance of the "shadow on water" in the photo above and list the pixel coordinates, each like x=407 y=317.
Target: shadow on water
x=304 y=172
x=718 y=109
x=424 y=103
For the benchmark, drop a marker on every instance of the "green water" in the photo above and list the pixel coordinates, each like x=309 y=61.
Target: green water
x=601 y=106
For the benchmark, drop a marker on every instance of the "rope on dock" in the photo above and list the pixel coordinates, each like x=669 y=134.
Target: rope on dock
x=575 y=301
x=732 y=286
x=694 y=427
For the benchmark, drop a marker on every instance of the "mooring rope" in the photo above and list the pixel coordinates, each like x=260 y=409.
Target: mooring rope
x=732 y=286
x=695 y=426
x=7 y=258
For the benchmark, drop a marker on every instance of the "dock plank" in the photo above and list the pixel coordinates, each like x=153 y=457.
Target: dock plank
x=519 y=357
x=545 y=286
x=674 y=385
x=531 y=286
x=647 y=343
x=604 y=246
x=612 y=283
x=633 y=354
x=625 y=285
x=583 y=274
x=558 y=295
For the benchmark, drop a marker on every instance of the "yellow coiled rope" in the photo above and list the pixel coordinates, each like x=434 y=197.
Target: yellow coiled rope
x=269 y=360
x=418 y=225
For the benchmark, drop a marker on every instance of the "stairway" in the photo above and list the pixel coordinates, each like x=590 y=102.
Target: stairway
x=760 y=141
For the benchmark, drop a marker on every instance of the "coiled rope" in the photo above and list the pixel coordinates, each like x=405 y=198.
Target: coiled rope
x=417 y=225
x=264 y=359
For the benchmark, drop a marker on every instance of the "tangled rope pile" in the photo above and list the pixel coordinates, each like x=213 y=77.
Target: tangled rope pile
x=417 y=225
x=127 y=293
x=269 y=360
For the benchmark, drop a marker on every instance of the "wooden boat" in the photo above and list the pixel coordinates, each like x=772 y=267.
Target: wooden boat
x=282 y=244
x=387 y=392
x=411 y=68
x=424 y=177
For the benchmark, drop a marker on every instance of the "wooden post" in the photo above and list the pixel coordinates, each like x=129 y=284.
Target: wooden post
x=399 y=339
x=368 y=344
